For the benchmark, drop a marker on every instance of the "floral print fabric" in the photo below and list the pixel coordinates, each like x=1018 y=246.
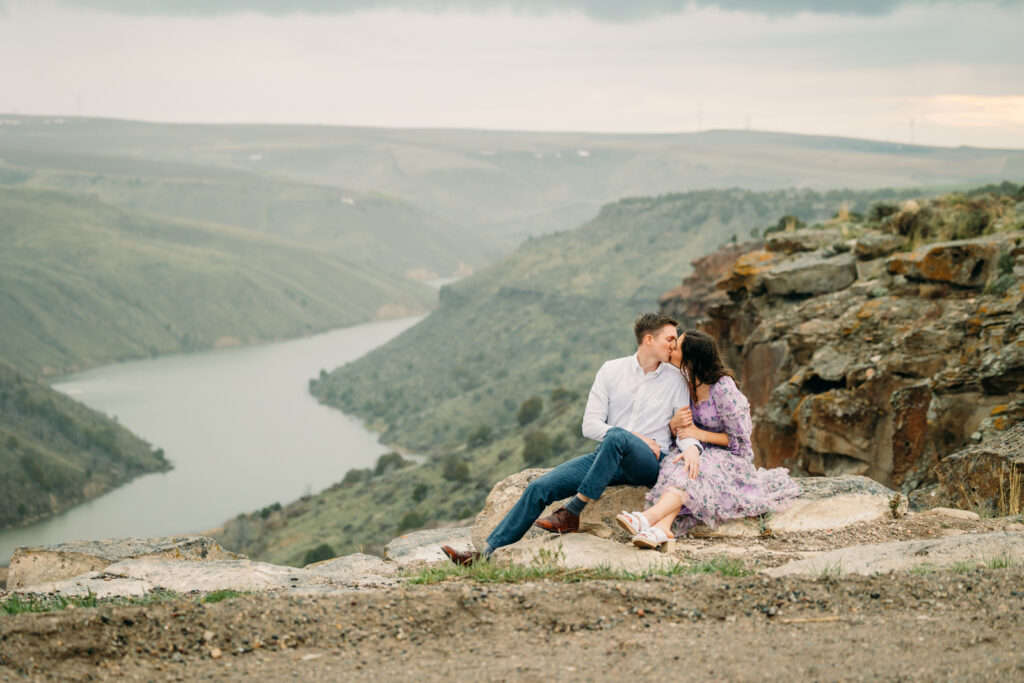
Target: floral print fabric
x=728 y=486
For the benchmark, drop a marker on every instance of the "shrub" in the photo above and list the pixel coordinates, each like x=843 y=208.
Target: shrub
x=480 y=435
x=420 y=491
x=529 y=410
x=410 y=520
x=389 y=461
x=537 y=447
x=455 y=469
x=560 y=393
x=355 y=476
x=318 y=554
x=880 y=210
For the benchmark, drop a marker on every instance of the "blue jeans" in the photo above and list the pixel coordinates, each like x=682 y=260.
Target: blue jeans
x=622 y=458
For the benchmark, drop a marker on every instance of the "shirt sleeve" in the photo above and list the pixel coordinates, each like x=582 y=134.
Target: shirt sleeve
x=595 y=417
x=733 y=410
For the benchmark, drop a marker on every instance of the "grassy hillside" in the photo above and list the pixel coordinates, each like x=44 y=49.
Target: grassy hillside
x=82 y=283
x=55 y=452
x=499 y=186
x=372 y=228
x=538 y=324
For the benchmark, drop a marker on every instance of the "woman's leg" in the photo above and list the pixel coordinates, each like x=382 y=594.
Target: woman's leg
x=664 y=512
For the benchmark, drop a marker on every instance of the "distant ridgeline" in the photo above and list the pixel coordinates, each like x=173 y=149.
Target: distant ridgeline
x=55 y=452
x=495 y=379
x=84 y=283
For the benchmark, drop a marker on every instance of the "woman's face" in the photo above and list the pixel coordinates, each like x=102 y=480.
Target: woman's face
x=676 y=358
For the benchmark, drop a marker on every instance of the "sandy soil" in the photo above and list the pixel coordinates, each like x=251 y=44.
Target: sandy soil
x=907 y=626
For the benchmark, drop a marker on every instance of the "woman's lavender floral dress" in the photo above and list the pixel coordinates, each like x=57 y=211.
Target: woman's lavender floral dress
x=728 y=486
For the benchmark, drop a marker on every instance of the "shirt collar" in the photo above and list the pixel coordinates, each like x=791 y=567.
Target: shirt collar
x=635 y=365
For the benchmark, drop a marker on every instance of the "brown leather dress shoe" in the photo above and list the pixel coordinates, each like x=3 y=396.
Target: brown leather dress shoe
x=460 y=557
x=561 y=521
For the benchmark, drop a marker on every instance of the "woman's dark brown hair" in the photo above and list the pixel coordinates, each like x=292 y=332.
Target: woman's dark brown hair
x=702 y=361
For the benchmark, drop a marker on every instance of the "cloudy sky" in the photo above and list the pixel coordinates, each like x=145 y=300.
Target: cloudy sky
x=930 y=72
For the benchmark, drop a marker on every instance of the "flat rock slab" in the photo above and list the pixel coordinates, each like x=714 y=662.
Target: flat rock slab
x=583 y=551
x=421 y=548
x=97 y=583
x=937 y=553
x=356 y=563
x=823 y=503
x=812 y=273
x=49 y=563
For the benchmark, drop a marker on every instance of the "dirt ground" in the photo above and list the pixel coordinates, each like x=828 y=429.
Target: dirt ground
x=904 y=626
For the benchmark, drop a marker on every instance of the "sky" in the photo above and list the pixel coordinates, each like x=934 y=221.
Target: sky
x=925 y=72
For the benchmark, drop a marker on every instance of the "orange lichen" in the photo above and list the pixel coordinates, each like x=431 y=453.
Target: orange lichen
x=998 y=409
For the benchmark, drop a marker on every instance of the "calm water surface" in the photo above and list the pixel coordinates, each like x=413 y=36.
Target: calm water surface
x=239 y=426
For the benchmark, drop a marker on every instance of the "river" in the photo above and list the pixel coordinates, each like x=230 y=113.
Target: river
x=239 y=426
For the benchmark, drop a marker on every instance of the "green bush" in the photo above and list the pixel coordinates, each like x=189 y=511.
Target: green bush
x=420 y=491
x=318 y=554
x=455 y=469
x=410 y=520
x=480 y=435
x=536 y=447
x=355 y=476
x=389 y=461
x=530 y=410
x=560 y=394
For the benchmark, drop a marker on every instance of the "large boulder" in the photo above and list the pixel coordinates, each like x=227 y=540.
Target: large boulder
x=823 y=503
x=966 y=550
x=48 y=563
x=598 y=517
x=583 y=551
x=988 y=476
x=422 y=548
x=354 y=564
x=875 y=245
x=966 y=263
x=813 y=273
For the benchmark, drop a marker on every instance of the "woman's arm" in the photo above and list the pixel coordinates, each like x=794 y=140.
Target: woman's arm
x=733 y=410
x=695 y=432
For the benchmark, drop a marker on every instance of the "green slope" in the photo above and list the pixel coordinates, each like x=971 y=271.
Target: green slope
x=537 y=324
x=501 y=186
x=55 y=452
x=83 y=283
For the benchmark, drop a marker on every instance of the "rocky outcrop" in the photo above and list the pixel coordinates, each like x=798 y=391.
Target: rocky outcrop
x=823 y=503
x=966 y=551
x=50 y=563
x=988 y=476
x=420 y=548
x=859 y=359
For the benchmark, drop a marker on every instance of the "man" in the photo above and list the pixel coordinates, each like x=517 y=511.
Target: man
x=628 y=411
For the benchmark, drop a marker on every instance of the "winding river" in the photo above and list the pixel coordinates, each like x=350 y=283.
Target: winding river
x=239 y=426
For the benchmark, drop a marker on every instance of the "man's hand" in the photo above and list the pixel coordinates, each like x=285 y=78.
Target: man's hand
x=652 y=444
x=682 y=418
x=691 y=456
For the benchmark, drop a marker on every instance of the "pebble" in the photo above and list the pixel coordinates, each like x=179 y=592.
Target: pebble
x=208 y=636
x=215 y=653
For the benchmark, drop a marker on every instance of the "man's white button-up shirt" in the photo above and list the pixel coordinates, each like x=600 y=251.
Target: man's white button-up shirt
x=623 y=396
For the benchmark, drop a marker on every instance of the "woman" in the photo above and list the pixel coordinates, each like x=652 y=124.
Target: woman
x=722 y=482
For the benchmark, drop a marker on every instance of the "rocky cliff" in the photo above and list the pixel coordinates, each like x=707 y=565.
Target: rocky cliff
x=873 y=345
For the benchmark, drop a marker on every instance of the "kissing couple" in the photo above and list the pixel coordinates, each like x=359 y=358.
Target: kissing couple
x=669 y=417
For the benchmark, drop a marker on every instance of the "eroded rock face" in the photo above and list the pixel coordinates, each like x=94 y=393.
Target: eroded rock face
x=882 y=372
x=49 y=563
x=938 y=553
x=989 y=476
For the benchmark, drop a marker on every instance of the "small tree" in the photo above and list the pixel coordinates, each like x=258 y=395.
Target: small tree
x=530 y=410
x=389 y=461
x=455 y=469
x=479 y=436
x=318 y=554
x=420 y=491
x=537 y=447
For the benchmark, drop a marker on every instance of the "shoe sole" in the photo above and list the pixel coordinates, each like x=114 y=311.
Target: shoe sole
x=556 y=531
x=647 y=545
x=625 y=526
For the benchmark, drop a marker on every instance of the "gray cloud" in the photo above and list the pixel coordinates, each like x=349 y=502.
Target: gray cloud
x=605 y=10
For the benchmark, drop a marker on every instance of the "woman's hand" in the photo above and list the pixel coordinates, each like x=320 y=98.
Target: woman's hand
x=682 y=418
x=690 y=432
x=691 y=458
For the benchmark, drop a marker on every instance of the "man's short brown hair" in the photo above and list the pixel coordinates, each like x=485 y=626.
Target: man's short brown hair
x=651 y=323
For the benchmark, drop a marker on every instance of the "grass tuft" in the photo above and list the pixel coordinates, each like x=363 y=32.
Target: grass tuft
x=217 y=596
x=21 y=603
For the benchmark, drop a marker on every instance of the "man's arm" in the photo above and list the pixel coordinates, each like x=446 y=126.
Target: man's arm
x=595 y=417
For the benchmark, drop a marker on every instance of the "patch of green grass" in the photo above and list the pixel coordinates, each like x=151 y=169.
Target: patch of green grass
x=217 y=596
x=832 y=569
x=964 y=567
x=923 y=568
x=487 y=571
x=1003 y=561
x=22 y=603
